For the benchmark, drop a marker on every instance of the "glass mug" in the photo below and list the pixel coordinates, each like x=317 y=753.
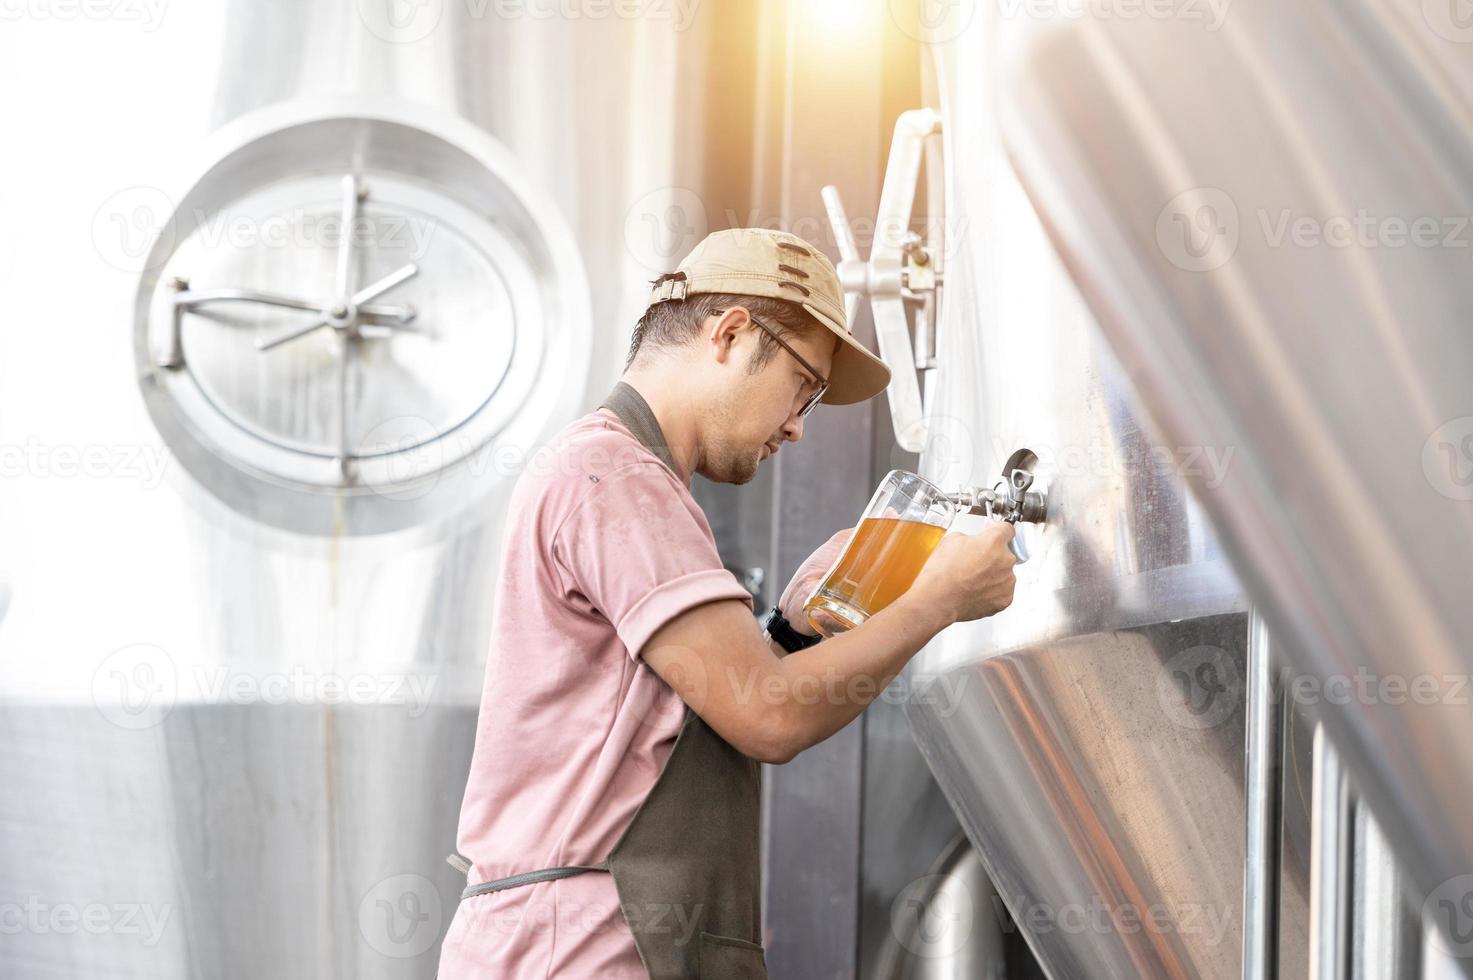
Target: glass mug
x=902 y=525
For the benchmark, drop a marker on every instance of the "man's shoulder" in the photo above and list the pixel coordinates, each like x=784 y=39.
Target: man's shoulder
x=597 y=445
x=591 y=454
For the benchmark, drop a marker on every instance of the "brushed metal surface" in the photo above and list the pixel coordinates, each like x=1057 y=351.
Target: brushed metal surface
x=1270 y=221
x=187 y=760
x=1112 y=827
x=1090 y=737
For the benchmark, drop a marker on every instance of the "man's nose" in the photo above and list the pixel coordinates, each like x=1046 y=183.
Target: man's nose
x=793 y=428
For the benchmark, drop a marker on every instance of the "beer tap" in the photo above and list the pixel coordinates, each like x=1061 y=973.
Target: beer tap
x=1011 y=499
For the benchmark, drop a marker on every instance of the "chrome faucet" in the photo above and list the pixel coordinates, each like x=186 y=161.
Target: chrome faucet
x=1011 y=499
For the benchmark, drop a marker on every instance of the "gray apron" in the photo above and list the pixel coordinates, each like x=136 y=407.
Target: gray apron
x=687 y=868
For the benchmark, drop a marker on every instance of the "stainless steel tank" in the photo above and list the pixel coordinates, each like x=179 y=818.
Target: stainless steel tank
x=242 y=653
x=1231 y=289
x=1270 y=221
x=1091 y=736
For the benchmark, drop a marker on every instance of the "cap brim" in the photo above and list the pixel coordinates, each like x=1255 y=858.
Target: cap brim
x=855 y=374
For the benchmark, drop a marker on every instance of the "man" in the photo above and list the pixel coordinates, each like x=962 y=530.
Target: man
x=610 y=821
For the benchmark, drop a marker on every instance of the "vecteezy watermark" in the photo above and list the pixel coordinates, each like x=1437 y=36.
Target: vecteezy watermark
x=44 y=918
x=148 y=14
x=1198 y=229
x=933 y=916
x=662 y=225
x=1206 y=466
x=33 y=458
x=941 y=693
x=401 y=916
x=410 y=21
x=1363 y=229
x=226 y=684
x=1200 y=687
x=136 y=686
x=1209 y=13
x=1201 y=229
x=1367 y=688
x=1451 y=20
x=934 y=21
x=1447 y=458
x=311 y=228
x=1207 y=921
x=136 y=230
x=1447 y=914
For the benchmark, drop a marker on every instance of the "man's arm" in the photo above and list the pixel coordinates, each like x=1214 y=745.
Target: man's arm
x=771 y=707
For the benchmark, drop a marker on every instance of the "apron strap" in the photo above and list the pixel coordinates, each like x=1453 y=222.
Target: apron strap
x=627 y=403
x=532 y=877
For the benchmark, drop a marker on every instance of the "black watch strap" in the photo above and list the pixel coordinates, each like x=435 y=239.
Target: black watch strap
x=782 y=631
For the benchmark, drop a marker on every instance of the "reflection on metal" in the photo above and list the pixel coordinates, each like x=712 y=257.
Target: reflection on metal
x=1102 y=788
x=1385 y=921
x=899 y=267
x=1263 y=781
x=450 y=317
x=1237 y=205
x=1091 y=736
x=1331 y=860
x=945 y=925
x=253 y=737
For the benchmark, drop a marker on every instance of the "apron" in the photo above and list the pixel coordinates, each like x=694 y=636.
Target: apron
x=693 y=845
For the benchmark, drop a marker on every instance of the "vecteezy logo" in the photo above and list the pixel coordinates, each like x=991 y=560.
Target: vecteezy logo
x=1447 y=459
x=127 y=225
x=1200 y=687
x=415 y=455
x=933 y=21
x=1448 y=910
x=1198 y=229
x=933 y=916
x=1451 y=20
x=401 y=21
x=400 y=916
x=135 y=686
x=663 y=225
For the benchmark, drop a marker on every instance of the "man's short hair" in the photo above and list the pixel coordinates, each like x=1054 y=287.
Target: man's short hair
x=676 y=323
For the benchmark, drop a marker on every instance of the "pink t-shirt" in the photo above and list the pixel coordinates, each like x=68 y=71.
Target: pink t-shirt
x=603 y=546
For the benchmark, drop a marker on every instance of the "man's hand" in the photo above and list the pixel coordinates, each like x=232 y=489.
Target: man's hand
x=969 y=576
x=807 y=578
x=770 y=708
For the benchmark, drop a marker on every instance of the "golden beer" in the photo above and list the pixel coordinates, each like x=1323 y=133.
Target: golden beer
x=901 y=527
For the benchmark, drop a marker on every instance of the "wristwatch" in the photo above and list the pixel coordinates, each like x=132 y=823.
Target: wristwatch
x=782 y=631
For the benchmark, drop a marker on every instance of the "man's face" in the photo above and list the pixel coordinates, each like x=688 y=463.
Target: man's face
x=751 y=415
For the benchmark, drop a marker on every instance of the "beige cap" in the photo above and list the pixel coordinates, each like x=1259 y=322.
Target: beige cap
x=765 y=262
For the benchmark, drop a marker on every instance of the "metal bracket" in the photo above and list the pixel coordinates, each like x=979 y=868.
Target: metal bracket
x=898 y=268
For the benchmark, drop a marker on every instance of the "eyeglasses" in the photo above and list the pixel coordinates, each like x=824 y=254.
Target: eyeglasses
x=810 y=402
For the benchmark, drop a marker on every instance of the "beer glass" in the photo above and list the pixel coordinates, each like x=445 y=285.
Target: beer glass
x=898 y=531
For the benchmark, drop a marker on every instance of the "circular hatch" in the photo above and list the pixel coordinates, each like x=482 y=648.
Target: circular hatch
x=349 y=309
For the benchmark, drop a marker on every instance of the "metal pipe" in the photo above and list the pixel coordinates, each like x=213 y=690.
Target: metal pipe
x=1330 y=864
x=1386 y=929
x=1262 y=755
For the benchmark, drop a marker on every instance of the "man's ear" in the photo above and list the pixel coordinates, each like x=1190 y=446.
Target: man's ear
x=723 y=332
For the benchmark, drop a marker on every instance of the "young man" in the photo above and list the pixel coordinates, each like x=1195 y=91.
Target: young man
x=610 y=821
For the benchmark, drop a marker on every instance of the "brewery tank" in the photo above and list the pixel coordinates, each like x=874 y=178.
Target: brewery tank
x=1146 y=748
x=1056 y=728
x=240 y=663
